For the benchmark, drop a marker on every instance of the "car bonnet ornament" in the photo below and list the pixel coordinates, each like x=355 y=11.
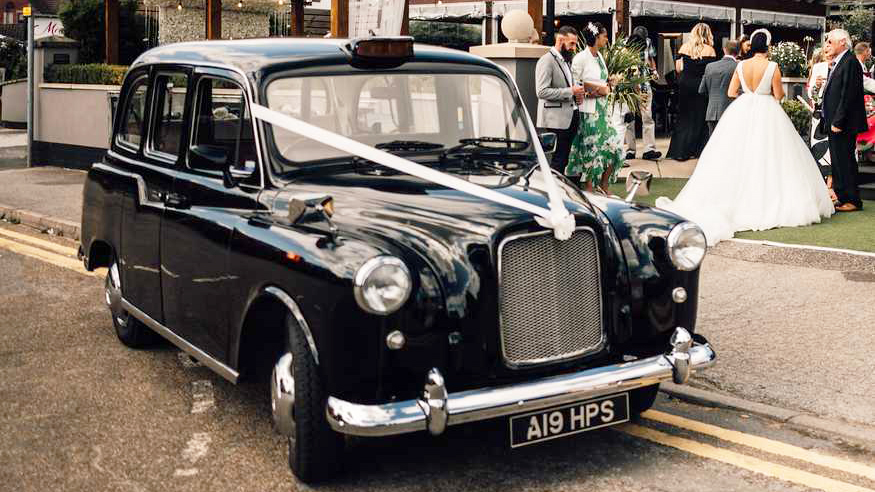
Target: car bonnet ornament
x=556 y=217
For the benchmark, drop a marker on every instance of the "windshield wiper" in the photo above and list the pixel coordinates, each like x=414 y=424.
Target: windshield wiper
x=488 y=144
x=408 y=145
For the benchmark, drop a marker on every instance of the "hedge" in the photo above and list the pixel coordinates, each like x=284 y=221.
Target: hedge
x=800 y=116
x=94 y=73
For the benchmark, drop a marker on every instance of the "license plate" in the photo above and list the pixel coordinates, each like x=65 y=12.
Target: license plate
x=552 y=423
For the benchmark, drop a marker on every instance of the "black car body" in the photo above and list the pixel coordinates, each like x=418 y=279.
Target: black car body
x=217 y=238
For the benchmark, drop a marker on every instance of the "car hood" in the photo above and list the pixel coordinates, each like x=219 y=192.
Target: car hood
x=428 y=224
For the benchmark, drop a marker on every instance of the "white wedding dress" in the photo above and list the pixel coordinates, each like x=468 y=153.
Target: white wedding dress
x=756 y=173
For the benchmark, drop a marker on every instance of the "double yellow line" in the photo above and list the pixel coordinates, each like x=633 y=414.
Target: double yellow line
x=40 y=249
x=750 y=463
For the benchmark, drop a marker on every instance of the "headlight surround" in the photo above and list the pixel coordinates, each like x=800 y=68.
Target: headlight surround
x=687 y=246
x=382 y=285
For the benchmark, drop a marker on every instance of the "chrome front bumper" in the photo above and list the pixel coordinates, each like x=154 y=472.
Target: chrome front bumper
x=436 y=409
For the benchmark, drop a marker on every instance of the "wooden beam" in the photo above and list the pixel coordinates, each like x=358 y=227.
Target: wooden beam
x=405 y=21
x=213 y=19
x=298 y=18
x=490 y=23
x=339 y=18
x=110 y=18
x=623 y=21
x=536 y=12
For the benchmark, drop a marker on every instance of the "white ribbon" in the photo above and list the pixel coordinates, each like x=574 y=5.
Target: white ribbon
x=556 y=218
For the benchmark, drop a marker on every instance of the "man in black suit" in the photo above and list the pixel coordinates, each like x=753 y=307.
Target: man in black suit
x=844 y=116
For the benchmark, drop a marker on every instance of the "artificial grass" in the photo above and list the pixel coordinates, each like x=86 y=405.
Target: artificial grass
x=853 y=230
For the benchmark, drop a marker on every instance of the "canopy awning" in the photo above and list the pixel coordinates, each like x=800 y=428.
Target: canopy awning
x=680 y=10
x=799 y=21
x=477 y=10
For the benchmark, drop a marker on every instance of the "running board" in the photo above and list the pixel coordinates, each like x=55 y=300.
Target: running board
x=217 y=367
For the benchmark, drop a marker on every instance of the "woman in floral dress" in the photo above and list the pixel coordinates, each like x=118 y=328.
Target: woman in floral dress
x=597 y=150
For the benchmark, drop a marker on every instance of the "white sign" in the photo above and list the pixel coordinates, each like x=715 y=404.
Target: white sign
x=45 y=27
x=375 y=17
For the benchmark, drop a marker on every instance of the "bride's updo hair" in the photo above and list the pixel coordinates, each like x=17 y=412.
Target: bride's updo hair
x=591 y=31
x=759 y=43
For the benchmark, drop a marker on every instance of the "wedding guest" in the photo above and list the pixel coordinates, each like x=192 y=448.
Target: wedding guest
x=597 y=152
x=715 y=84
x=819 y=141
x=558 y=96
x=641 y=37
x=743 y=47
x=690 y=133
x=844 y=116
x=863 y=53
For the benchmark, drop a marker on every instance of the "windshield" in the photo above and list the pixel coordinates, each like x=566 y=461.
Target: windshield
x=396 y=111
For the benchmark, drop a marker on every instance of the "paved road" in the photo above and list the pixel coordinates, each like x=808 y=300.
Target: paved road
x=794 y=328
x=78 y=411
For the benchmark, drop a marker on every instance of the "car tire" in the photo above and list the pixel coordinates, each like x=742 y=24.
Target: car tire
x=641 y=399
x=315 y=450
x=129 y=330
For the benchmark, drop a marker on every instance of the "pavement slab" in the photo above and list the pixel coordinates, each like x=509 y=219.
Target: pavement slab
x=791 y=335
x=49 y=191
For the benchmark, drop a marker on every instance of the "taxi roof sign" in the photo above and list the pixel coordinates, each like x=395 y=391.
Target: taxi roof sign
x=25 y=11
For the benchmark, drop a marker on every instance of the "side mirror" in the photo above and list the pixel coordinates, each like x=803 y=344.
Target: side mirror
x=243 y=172
x=548 y=142
x=638 y=182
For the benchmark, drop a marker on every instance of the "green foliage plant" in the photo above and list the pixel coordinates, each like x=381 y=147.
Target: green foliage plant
x=92 y=73
x=800 y=116
x=856 y=18
x=84 y=21
x=13 y=57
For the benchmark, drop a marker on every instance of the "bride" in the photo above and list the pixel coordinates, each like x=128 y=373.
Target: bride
x=756 y=173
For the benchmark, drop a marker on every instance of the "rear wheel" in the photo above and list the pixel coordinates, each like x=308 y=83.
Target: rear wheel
x=130 y=330
x=641 y=399
x=315 y=450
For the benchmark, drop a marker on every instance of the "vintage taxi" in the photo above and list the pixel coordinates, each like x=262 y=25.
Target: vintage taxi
x=371 y=224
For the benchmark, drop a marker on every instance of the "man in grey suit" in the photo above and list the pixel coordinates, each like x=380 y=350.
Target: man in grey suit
x=715 y=83
x=558 y=95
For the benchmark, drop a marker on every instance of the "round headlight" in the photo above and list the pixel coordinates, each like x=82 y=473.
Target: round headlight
x=687 y=246
x=382 y=285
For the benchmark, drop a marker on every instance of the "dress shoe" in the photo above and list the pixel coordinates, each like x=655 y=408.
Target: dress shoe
x=651 y=155
x=630 y=156
x=848 y=207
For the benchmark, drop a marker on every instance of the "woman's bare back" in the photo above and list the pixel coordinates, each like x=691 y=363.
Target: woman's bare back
x=753 y=72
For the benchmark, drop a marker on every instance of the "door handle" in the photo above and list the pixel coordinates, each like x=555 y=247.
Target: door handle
x=175 y=200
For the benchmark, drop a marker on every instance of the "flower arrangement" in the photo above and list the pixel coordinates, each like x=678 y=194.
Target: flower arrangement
x=790 y=57
x=627 y=73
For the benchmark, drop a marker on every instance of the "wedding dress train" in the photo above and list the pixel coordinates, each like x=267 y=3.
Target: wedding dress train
x=756 y=173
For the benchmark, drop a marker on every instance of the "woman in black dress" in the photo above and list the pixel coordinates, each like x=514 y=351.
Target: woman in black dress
x=690 y=132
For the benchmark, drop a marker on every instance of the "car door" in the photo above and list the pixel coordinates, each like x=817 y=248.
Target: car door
x=204 y=208
x=149 y=173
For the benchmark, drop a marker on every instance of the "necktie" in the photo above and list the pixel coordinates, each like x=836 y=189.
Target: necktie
x=832 y=65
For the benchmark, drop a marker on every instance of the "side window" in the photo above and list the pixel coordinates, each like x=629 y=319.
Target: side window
x=169 y=109
x=223 y=127
x=131 y=131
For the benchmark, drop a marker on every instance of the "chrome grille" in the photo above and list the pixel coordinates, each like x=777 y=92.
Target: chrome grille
x=550 y=297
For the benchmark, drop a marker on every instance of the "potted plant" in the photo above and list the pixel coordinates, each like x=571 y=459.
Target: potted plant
x=794 y=67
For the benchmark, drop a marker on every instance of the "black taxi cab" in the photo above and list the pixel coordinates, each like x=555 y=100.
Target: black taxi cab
x=358 y=219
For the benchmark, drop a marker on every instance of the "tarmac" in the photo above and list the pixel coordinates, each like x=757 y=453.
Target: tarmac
x=779 y=356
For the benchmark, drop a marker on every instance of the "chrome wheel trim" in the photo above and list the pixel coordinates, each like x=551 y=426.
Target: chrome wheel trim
x=113 y=295
x=282 y=397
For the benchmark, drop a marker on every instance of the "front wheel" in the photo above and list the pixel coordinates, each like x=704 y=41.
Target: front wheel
x=129 y=330
x=315 y=450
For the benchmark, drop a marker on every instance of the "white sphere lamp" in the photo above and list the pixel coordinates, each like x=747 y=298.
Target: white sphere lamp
x=517 y=26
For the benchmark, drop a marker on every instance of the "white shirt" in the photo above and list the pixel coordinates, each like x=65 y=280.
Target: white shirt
x=565 y=70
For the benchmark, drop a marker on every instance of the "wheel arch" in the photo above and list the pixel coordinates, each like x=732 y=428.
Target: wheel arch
x=100 y=254
x=263 y=329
